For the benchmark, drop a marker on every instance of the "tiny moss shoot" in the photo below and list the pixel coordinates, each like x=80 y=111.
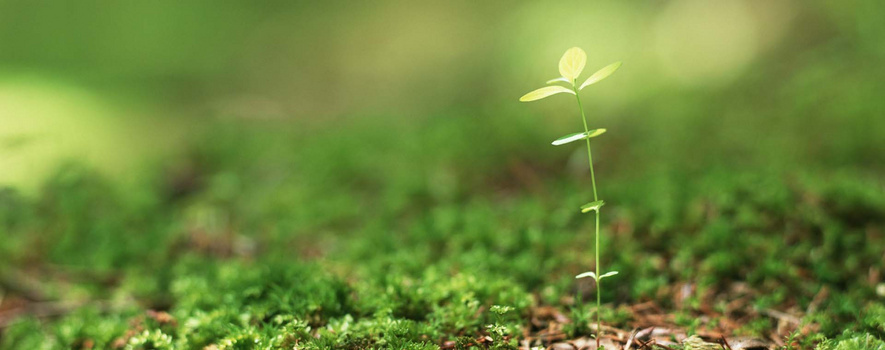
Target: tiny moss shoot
x=570 y=66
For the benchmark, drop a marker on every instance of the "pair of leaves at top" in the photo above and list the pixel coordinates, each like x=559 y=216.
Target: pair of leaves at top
x=570 y=67
x=592 y=275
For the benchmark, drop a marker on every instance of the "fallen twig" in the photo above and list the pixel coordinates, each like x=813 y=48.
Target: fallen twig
x=54 y=308
x=725 y=342
x=663 y=346
x=818 y=298
x=23 y=284
x=630 y=340
x=782 y=316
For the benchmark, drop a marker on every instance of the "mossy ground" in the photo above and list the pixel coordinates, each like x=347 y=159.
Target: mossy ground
x=748 y=203
x=277 y=236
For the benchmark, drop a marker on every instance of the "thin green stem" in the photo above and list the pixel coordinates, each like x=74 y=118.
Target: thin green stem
x=598 y=287
x=595 y=198
x=589 y=151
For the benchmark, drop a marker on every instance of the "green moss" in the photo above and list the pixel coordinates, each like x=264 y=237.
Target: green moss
x=349 y=244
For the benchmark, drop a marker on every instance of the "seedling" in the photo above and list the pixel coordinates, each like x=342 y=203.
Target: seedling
x=570 y=66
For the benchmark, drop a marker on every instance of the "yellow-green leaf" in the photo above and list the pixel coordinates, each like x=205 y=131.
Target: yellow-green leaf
x=595 y=132
x=592 y=206
x=544 y=92
x=601 y=74
x=551 y=81
x=572 y=63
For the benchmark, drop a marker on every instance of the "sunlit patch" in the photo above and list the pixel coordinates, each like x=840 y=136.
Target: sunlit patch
x=44 y=123
x=700 y=42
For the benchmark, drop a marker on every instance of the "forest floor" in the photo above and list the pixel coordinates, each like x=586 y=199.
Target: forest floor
x=275 y=237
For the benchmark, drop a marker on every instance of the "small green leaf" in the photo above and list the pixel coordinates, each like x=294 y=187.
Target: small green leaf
x=544 y=92
x=500 y=310
x=590 y=274
x=595 y=132
x=601 y=74
x=608 y=274
x=592 y=206
x=569 y=138
x=572 y=63
x=578 y=136
x=551 y=81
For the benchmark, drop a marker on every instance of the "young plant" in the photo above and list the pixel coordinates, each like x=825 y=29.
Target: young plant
x=570 y=66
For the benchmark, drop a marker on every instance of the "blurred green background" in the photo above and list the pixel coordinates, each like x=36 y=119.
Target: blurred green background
x=148 y=141
x=116 y=84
